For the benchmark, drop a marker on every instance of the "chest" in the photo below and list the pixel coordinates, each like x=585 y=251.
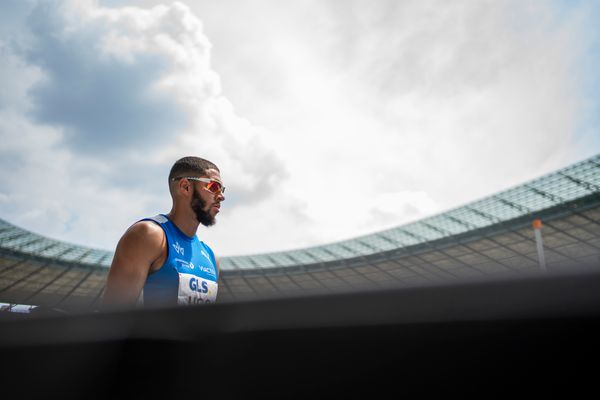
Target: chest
x=196 y=274
x=191 y=258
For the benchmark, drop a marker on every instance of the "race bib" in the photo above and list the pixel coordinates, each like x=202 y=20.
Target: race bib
x=195 y=290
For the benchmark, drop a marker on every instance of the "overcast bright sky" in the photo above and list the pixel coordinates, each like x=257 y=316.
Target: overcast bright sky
x=329 y=119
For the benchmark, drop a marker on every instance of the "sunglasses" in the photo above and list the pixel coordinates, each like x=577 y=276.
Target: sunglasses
x=212 y=186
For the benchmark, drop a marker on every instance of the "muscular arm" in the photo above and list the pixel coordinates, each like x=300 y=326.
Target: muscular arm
x=137 y=252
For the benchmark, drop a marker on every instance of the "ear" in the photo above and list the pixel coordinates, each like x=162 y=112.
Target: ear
x=184 y=187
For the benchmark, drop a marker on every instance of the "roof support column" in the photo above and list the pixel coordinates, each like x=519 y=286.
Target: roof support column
x=537 y=230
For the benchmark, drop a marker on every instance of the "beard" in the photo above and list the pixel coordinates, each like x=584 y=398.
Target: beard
x=198 y=206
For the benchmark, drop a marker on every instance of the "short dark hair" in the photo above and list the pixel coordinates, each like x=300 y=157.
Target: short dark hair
x=190 y=165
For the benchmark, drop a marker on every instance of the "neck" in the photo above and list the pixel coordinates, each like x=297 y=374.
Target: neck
x=185 y=220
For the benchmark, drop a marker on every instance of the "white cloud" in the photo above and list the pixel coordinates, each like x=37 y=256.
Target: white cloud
x=90 y=134
x=451 y=100
x=328 y=120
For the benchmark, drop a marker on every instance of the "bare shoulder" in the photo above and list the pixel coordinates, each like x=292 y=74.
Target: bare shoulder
x=145 y=230
x=140 y=247
x=143 y=236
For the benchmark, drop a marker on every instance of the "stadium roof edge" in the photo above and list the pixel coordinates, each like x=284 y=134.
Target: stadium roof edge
x=569 y=183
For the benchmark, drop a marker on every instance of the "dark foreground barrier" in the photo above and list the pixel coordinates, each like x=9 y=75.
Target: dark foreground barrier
x=535 y=335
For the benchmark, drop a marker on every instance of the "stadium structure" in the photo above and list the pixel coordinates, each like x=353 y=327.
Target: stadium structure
x=496 y=297
x=549 y=224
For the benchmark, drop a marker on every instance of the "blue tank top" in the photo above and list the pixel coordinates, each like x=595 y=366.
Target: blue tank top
x=189 y=274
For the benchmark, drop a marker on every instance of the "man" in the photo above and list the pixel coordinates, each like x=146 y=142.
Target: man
x=162 y=255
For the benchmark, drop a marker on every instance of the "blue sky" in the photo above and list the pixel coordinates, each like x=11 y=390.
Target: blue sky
x=329 y=119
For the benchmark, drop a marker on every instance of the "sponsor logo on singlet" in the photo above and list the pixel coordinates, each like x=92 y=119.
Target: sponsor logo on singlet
x=178 y=248
x=188 y=264
x=195 y=290
x=185 y=263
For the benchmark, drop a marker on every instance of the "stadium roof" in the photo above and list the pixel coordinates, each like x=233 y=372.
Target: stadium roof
x=570 y=183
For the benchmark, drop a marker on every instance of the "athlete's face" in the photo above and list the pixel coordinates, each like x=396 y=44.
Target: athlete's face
x=206 y=204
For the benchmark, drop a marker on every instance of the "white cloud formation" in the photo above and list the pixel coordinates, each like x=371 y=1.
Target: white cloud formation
x=398 y=99
x=327 y=119
x=90 y=130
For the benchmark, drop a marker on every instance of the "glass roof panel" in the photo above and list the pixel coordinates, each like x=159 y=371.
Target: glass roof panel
x=319 y=254
x=379 y=242
x=560 y=186
x=17 y=241
x=75 y=254
x=242 y=262
x=303 y=256
x=359 y=246
x=9 y=234
x=56 y=251
x=449 y=225
x=281 y=259
x=36 y=246
x=263 y=261
x=339 y=250
x=94 y=256
x=422 y=232
x=526 y=197
x=400 y=237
